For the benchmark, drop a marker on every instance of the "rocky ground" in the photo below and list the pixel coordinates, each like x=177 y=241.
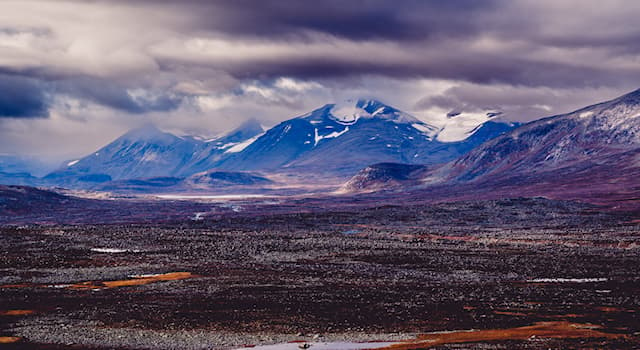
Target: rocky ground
x=385 y=273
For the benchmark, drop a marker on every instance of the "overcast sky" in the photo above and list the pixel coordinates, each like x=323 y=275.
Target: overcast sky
x=76 y=74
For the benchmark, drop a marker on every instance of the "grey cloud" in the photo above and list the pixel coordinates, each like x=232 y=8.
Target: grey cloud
x=107 y=93
x=358 y=20
x=483 y=42
x=519 y=103
x=22 y=97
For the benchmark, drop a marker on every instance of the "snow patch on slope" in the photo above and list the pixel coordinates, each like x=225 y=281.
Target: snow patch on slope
x=242 y=145
x=150 y=157
x=332 y=135
x=460 y=127
x=348 y=113
x=426 y=129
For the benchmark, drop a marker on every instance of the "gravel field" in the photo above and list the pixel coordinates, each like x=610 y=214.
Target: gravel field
x=386 y=273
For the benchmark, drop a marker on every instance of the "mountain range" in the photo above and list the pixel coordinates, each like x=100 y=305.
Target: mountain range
x=333 y=141
x=593 y=152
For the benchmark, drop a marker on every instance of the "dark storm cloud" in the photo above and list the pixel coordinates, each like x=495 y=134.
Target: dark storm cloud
x=525 y=43
x=357 y=20
x=478 y=41
x=22 y=97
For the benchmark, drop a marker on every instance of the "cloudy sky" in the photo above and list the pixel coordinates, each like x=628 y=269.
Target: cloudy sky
x=76 y=74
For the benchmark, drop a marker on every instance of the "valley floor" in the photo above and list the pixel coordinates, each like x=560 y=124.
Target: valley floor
x=511 y=274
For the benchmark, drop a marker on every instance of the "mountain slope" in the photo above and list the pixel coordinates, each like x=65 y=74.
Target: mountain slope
x=590 y=135
x=341 y=139
x=591 y=154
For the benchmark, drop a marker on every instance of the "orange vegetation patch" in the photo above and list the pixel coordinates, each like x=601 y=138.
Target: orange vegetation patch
x=136 y=281
x=560 y=329
x=8 y=340
x=21 y=285
x=16 y=312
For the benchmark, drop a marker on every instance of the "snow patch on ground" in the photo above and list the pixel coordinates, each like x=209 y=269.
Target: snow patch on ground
x=567 y=280
x=112 y=250
x=146 y=275
x=198 y=216
x=586 y=114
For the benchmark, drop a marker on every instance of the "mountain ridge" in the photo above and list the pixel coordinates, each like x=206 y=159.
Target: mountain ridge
x=591 y=152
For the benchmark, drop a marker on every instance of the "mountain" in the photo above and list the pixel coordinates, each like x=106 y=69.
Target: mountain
x=586 y=137
x=340 y=139
x=592 y=153
x=148 y=152
x=142 y=152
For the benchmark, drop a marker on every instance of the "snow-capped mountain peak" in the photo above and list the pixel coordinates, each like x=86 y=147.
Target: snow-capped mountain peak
x=350 y=111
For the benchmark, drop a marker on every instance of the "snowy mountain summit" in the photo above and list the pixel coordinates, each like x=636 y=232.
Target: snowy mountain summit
x=350 y=111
